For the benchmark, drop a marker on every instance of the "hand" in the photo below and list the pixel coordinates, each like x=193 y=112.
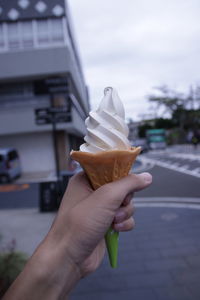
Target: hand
x=75 y=244
x=85 y=215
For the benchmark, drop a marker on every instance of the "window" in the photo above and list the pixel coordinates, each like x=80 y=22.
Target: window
x=12 y=155
x=27 y=34
x=16 y=89
x=43 y=32
x=34 y=33
x=2 y=42
x=56 y=28
x=13 y=36
x=11 y=89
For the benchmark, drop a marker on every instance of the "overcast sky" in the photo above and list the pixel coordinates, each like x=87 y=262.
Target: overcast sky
x=137 y=45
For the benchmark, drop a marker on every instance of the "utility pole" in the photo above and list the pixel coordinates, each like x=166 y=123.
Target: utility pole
x=55 y=145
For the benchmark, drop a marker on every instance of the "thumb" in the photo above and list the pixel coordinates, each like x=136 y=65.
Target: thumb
x=110 y=196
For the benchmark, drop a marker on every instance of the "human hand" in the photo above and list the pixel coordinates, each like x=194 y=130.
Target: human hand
x=85 y=215
x=75 y=243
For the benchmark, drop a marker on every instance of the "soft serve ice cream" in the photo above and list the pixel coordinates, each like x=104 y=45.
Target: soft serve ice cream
x=106 y=155
x=106 y=127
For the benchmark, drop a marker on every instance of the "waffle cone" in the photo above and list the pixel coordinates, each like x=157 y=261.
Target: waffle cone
x=106 y=166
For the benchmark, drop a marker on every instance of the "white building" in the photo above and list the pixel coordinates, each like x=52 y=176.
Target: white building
x=40 y=68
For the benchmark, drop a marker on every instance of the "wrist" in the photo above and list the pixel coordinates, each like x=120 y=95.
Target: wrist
x=59 y=270
x=49 y=274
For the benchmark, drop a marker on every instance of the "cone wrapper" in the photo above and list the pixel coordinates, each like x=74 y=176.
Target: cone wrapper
x=104 y=167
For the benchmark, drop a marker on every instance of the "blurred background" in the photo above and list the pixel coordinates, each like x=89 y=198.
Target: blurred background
x=56 y=58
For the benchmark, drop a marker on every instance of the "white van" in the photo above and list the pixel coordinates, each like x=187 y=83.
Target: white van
x=9 y=165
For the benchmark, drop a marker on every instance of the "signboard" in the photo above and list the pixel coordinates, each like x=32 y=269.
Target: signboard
x=57 y=85
x=54 y=85
x=49 y=115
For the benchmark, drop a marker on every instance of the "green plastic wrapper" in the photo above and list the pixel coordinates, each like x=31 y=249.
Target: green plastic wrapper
x=112 y=238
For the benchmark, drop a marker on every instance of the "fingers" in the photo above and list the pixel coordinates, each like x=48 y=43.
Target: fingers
x=124 y=226
x=82 y=180
x=124 y=213
x=123 y=220
x=127 y=199
x=111 y=195
x=77 y=190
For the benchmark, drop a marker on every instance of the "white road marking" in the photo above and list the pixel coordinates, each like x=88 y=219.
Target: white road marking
x=197 y=170
x=191 y=200
x=175 y=202
x=189 y=156
x=175 y=165
x=185 y=156
x=174 y=205
x=183 y=169
x=169 y=216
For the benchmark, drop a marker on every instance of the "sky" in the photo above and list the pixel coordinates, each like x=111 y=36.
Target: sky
x=136 y=46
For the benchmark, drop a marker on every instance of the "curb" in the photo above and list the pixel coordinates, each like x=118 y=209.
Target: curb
x=145 y=165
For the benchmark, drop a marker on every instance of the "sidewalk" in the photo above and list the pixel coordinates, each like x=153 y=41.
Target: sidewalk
x=158 y=260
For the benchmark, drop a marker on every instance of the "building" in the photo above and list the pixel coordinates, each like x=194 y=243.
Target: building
x=41 y=80
x=133 y=131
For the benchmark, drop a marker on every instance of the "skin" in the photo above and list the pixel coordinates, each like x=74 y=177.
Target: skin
x=74 y=246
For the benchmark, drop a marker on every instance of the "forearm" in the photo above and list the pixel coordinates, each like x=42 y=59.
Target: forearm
x=47 y=275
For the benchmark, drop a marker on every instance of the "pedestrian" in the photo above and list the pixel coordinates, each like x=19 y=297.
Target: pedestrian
x=74 y=246
x=195 y=138
x=189 y=136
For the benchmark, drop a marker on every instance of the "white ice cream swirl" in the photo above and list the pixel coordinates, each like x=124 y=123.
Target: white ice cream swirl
x=106 y=127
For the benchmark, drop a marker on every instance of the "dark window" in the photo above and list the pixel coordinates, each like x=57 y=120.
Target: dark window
x=12 y=155
x=16 y=89
x=40 y=88
x=1 y=158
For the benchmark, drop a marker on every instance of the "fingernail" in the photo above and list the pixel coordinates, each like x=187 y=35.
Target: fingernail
x=119 y=216
x=147 y=177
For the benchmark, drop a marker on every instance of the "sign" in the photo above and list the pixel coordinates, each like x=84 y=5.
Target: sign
x=58 y=89
x=49 y=115
x=57 y=85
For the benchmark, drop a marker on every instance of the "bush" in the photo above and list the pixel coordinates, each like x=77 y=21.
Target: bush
x=11 y=264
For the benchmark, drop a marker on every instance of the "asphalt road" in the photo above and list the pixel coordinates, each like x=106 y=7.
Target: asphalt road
x=159 y=260
x=170 y=183
x=187 y=163
x=166 y=183
x=176 y=173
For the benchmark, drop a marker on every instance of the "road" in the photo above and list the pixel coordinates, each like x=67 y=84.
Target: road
x=170 y=183
x=187 y=163
x=159 y=260
x=175 y=174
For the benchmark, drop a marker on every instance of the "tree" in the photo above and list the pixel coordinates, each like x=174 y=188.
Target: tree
x=178 y=105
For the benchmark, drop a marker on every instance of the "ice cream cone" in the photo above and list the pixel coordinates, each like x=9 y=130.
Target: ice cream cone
x=104 y=167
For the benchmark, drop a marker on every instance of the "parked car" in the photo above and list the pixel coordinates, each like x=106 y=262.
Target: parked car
x=9 y=165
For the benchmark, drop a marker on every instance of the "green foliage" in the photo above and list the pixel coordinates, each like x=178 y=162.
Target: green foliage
x=183 y=108
x=142 y=130
x=165 y=123
x=11 y=264
x=190 y=118
x=159 y=123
